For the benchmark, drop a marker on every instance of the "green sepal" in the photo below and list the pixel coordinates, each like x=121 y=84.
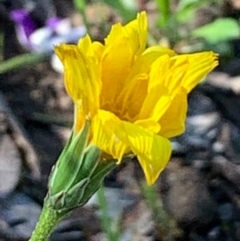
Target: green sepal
x=66 y=201
x=78 y=174
x=97 y=178
x=69 y=161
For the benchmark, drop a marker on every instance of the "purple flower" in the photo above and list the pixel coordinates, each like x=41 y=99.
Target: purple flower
x=42 y=40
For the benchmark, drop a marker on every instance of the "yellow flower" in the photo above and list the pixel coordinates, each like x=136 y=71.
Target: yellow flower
x=135 y=97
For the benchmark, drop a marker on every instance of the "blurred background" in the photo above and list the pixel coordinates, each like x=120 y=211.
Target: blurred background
x=197 y=197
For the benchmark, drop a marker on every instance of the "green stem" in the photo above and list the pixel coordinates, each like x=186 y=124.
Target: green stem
x=81 y=5
x=48 y=220
x=21 y=61
x=165 y=12
x=105 y=219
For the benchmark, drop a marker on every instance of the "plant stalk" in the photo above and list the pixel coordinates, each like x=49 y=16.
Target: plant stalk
x=48 y=220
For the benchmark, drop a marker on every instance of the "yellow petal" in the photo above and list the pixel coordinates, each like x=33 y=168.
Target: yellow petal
x=143 y=63
x=116 y=63
x=97 y=49
x=153 y=151
x=104 y=128
x=159 y=70
x=176 y=73
x=160 y=50
x=173 y=121
x=135 y=87
x=155 y=104
x=135 y=31
x=200 y=64
x=117 y=137
x=163 y=80
x=168 y=72
x=79 y=118
x=122 y=46
x=130 y=100
x=149 y=124
x=82 y=75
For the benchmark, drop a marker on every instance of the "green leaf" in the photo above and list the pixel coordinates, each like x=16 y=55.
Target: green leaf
x=220 y=30
x=126 y=8
x=184 y=4
x=165 y=13
x=80 y=4
x=187 y=8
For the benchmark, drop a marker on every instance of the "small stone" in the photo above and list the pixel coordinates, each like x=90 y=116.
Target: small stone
x=227 y=169
x=187 y=197
x=214 y=234
x=237 y=232
x=10 y=165
x=20 y=214
x=117 y=199
x=225 y=211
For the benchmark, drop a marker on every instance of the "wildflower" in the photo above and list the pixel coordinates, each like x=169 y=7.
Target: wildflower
x=135 y=97
x=40 y=40
x=128 y=99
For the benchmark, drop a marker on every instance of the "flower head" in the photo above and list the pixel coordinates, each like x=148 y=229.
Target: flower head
x=135 y=97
